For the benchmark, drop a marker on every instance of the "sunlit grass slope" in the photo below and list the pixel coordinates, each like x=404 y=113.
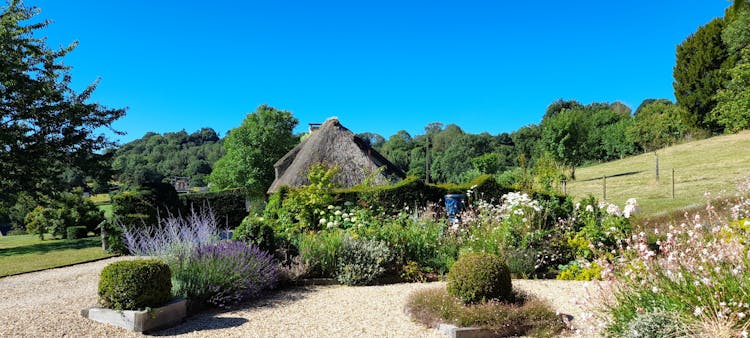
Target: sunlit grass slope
x=713 y=165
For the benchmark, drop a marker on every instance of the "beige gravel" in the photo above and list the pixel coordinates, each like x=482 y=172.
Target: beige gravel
x=48 y=303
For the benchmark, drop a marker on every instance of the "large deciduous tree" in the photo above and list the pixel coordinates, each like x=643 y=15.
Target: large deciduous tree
x=46 y=127
x=252 y=149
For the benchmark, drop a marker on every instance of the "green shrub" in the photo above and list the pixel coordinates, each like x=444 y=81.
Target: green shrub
x=43 y=220
x=228 y=205
x=112 y=234
x=320 y=251
x=361 y=261
x=145 y=205
x=256 y=230
x=480 y=277
x=16 y=232
x=134 y=285
x=526 y=316
x=76 y=232
x=413 y=272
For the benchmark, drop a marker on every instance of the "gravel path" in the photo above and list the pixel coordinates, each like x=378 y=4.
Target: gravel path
x=48 y=303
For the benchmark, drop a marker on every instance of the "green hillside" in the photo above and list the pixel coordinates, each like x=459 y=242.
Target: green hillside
x=713 y=165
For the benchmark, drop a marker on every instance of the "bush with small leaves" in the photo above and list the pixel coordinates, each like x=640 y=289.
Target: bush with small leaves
x=655 y=325
x=256 y=230
x=361 y=261
x=135 y=285
x=480 y=277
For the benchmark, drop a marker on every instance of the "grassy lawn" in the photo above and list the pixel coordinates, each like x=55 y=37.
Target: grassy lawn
x=27 y=253
x=713 y=165
x=101 y=198
x=107 y=209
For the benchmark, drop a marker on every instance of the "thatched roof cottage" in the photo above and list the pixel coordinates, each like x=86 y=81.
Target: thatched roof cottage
x=333 y=144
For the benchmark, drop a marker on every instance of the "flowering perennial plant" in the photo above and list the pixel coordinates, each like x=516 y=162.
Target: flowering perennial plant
x=173 y=236
x=224 y=273
x=698 y=270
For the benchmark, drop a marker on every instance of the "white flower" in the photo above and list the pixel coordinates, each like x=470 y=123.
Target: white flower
x=323 y=221
x=330 y=207
x=329 y=225
x=590 y=208
x=698 y=311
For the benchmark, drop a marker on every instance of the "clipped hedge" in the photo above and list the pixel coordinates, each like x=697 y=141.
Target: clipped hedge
x=135 y=285
x=228 y=205
x=76 y=232
x=480 y=277
x=413 y=191
x=146 y=204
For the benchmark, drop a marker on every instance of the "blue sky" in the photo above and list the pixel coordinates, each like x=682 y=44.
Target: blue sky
x=380 y=66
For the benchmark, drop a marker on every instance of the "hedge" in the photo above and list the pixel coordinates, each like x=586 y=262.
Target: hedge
x=228 y=205
x=412 y=190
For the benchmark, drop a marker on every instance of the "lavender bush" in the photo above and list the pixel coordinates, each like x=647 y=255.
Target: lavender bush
x=224 y=273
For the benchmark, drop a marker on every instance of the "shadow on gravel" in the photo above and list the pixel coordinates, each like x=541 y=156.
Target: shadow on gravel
x=207 y=320
x=203 y=324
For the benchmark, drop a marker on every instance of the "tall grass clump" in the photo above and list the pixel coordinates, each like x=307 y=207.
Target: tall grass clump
x=697 y=271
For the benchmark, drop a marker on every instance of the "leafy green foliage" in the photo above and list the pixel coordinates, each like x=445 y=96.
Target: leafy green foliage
x=698 y=72
x=135 y=285
x=46 y=127
x=361 y=261
x=256 y=230
x=658 y=124
x=732 y=110
x=143 y=206
x=480 y=277
x=252 y=149
x=228 y=205
x=42 y=220
x=155 y=157
x=301 y=205
x=320 y=251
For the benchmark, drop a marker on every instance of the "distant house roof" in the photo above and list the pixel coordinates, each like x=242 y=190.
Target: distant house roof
x=333 y=144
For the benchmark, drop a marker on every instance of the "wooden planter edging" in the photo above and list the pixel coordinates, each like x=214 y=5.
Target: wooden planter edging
x=140 y=321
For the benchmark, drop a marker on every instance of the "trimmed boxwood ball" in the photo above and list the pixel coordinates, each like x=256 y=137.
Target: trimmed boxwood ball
x=135 y=285
x=479 y=277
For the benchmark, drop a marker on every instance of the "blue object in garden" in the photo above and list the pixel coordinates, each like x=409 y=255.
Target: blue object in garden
x=454 y=204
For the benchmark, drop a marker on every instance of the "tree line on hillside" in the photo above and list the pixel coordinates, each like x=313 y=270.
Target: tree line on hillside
x=156 y=157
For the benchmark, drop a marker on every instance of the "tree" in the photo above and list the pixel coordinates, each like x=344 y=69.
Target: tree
x=252 y=149
x=698 y=72
x=658 y=124
x=565 y=137
x=556 y=107
x=45 y=126
x=732 y=110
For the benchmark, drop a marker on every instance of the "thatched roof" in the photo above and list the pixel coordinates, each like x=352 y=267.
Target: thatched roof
x=333 y=144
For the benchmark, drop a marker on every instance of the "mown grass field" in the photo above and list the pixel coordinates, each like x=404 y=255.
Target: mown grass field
x=26 y=253
x=713 y=165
